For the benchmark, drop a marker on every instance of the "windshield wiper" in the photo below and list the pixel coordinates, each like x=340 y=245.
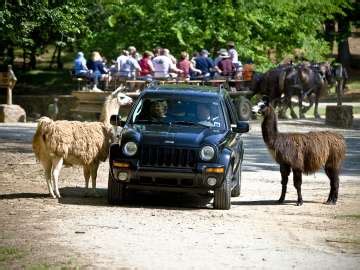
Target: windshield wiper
x=146 y=121
x=188 y=123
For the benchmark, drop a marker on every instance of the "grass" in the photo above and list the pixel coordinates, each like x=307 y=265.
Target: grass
x=9 y=253
x=46 y=266
x=351 y=216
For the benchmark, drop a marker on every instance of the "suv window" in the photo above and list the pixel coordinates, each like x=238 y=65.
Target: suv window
x=178 y=109
x=230 y=111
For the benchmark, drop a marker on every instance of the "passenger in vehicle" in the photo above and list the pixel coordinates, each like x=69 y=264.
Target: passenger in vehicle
x=158 y=110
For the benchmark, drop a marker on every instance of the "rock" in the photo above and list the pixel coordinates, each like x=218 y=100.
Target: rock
x=339 y=116
x=12 y=114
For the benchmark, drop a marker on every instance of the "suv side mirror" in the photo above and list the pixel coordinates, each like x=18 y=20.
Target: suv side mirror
x=241 y=127
x=115 y=120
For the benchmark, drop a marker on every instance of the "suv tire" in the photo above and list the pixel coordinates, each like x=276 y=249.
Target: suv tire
x=237 y=178
x=222 y=195
x=116 y=191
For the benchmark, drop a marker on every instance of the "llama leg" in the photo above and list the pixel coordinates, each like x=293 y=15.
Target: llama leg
x=285 y=171
x=86 y=170
x=334 y=185
x=56 y=165
x=297 y=184
x=94 y=169
x=47 y=167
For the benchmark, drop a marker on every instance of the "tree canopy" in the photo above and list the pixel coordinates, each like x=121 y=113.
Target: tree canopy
x=256 y=26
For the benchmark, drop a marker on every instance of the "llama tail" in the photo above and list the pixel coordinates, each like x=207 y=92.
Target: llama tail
x=38 y=142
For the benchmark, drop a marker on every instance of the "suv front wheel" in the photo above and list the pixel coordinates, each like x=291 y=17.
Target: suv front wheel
x=237 y=178
x=222 y=195
x=116 y=191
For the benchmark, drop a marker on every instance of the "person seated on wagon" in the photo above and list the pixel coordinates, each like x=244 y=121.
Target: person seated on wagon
x=205 y=64
x=186 y=66
x=146 y=65
x=163 y=66
x=99 y=71
x=80 y=69
x=225 y=68
x=248 y=70
x=127 y=66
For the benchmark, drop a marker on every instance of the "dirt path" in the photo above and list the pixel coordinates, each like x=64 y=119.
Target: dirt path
x=172 y=231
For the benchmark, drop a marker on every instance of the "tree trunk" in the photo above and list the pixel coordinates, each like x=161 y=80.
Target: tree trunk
x=344 y=56
x=60 y=64
x=330 y=33
x=24 y=59
x=33 y=58
x=53 y=57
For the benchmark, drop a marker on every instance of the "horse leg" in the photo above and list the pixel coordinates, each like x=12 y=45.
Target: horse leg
x=333 y=175
x=285 y=171
x=301 y=111
x=297 y=184
x=317 y=96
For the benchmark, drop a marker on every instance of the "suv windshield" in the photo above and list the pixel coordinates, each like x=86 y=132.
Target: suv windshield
x=178 y=110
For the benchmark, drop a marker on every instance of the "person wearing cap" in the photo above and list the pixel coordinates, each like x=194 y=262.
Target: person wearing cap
x=225 y=67
x=219 y=58
x=204 y=63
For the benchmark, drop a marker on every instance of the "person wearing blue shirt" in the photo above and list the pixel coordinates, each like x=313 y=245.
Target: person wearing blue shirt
x=205 y=64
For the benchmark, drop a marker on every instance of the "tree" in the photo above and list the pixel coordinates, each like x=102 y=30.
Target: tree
x=33 y=24
x=255 y=26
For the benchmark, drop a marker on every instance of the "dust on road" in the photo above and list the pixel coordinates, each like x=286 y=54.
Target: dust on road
x=175 y=231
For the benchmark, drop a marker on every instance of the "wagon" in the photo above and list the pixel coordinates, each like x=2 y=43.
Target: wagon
x=91 y=102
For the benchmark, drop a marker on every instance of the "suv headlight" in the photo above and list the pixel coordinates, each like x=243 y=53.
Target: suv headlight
x=130 y=149
x=207 y=153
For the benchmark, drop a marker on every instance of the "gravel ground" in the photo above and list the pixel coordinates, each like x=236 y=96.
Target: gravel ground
x=174 y=231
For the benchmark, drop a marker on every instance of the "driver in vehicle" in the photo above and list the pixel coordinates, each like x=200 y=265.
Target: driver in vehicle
x=204 y=115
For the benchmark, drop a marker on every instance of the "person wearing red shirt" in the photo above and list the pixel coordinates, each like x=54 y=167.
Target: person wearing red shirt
x=186 y=66
x=146 y=65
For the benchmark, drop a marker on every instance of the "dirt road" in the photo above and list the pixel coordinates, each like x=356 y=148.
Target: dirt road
x=174 y=231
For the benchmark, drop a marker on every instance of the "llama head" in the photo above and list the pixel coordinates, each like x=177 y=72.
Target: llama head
x=122 y=99
x=262 y=106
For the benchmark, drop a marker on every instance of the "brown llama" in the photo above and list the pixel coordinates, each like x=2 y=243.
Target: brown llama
x=302 y=152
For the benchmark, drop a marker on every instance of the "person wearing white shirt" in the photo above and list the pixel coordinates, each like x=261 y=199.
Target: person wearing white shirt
x=163 y=65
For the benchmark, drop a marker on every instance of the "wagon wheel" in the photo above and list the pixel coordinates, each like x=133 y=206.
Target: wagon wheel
x=243 y=108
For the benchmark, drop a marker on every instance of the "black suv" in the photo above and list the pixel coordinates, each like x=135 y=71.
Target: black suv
x=183 y=139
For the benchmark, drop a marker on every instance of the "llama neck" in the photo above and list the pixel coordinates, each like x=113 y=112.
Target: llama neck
x=269 y=127
x=109 y=108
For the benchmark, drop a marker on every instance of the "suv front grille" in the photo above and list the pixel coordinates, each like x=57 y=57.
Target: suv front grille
x=162 y=156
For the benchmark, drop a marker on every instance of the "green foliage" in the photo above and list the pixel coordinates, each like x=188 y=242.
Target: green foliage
x=256 y=26
x=33 y=24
